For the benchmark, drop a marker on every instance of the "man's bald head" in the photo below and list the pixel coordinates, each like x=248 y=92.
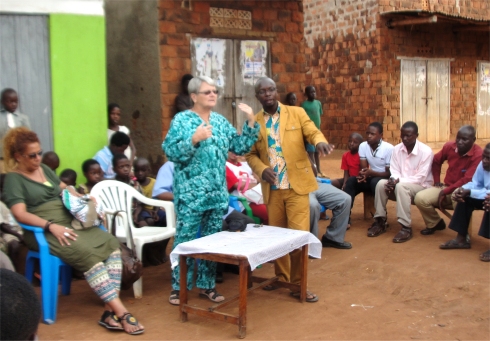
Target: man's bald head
x=465 y=139
x=264 y=81
x=469 y=129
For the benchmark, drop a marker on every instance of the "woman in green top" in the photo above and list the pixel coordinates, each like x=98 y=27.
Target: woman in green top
x=32 y=192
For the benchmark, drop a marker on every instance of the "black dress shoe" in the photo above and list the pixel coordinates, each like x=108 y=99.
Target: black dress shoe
x=441 y=225
x=330 y=243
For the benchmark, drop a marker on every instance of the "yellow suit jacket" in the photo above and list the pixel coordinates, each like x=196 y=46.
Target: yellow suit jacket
x=295 y=127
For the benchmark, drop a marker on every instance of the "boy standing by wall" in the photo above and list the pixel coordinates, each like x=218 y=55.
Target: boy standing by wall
x=313 y=108
x=10 y=117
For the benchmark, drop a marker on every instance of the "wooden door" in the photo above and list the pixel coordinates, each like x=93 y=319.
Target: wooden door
x=24 y=66
x=425 y=97
x=235 y=65
x=483 y=101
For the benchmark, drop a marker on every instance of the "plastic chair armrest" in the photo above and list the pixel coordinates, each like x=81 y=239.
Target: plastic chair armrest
x=40 y=238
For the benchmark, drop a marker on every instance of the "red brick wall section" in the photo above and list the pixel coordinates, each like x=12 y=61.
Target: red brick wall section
x=279 y=22
x=357 y=74
x=471 y=9
x=433 y=41
x=343 y=63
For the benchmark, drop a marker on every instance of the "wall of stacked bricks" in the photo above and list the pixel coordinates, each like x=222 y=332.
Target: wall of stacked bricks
x=278 y=22
x=352 y=60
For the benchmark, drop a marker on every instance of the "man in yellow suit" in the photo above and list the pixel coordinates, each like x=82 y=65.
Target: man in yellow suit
x=279 y=158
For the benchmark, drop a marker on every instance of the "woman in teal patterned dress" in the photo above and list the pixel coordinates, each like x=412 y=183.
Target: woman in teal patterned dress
x=198 y=143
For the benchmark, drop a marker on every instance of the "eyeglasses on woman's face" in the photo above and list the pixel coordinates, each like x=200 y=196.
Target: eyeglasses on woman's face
x=32 y=156
x=208 y=92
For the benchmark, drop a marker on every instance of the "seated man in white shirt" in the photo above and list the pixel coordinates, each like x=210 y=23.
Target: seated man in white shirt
x=375 y=158
x=411 y=172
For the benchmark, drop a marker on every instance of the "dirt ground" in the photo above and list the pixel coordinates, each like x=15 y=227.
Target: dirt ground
x=378 y=290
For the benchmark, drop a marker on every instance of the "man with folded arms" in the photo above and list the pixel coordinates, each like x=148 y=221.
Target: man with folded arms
x=474 y=195
x=410 y=173
x=463 y=156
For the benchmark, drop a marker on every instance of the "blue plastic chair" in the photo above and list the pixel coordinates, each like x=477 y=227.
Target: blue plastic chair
x=323 y=181
x=233 y=202
x=51 y=269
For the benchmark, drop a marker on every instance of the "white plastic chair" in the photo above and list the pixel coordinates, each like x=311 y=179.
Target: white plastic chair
x=117 y=196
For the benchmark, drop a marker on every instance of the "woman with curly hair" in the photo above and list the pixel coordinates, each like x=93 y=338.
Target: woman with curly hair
x=32 y=192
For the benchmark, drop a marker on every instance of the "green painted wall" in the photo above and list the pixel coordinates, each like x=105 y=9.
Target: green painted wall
x=78 y=75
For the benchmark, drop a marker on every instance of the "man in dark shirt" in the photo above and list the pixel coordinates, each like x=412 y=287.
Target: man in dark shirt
x=463 y=156
x=183 y=100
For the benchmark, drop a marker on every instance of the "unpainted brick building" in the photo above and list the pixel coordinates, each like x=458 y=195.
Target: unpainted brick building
x=397 y=60
x=149 y=49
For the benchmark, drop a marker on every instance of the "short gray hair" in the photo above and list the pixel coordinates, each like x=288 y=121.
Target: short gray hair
x=196 y=82
x=260 y=80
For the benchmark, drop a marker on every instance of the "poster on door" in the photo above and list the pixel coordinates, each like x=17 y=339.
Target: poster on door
x=484 y=90
x=253 y=58
x=210 y=58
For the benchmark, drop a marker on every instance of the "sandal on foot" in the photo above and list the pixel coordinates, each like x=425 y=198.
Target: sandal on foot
x=485 y=256
x=454 y=244
x=174 y=298
x=113 y=317
x=212 y=295
x=404 y=235
x=310 y=297
x=131 y=320
x=378 y=227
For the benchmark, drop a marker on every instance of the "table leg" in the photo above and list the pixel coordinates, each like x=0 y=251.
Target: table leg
x=304 y=273
x=183 y=287
x=242 y=308
x=249 y=278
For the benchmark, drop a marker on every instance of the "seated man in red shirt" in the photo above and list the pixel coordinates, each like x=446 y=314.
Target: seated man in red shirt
x=463 y=156
x=236 y=175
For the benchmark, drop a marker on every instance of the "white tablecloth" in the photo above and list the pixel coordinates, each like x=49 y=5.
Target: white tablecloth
x=258 y=244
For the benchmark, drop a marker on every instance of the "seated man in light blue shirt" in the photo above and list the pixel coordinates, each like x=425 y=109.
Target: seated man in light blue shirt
x=474 y=195
x=163 y=188
x=119 y=142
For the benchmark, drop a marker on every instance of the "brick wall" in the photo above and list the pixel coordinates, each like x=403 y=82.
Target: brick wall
x=357 y=73
x=434 y=41
x=472 y=9
x=279 y=22
x=343 y=63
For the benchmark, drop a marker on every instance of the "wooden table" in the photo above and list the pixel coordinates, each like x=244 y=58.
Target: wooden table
x=245 y=286
x=246 y=249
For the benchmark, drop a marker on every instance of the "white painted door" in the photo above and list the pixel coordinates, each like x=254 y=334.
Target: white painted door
x=234 y=65
x=425 y=96
x=483 y=101
x=24 y=66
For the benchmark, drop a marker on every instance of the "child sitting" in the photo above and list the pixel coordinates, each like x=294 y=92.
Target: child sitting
x=152 y=215
x=93 y=173
x=122 y=168
x=69 y=177
x=51 y=160
x=351 y=163
x=10 y=233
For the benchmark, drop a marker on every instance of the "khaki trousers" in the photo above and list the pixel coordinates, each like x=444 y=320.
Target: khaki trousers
x=403 y=195
x=428 y=200
x=288 y=209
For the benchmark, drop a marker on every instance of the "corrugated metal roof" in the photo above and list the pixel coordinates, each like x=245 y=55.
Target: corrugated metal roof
x=450 y=15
